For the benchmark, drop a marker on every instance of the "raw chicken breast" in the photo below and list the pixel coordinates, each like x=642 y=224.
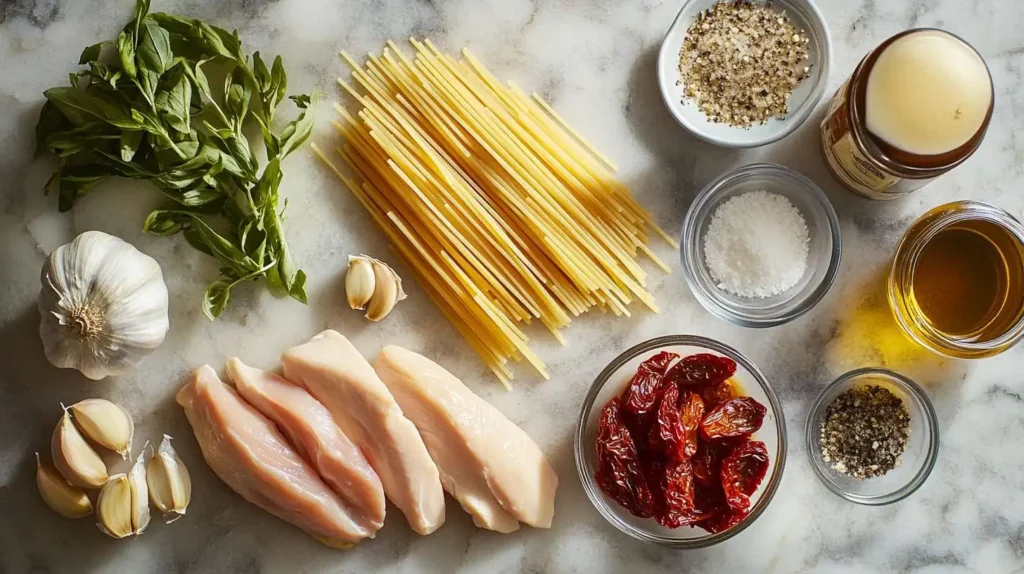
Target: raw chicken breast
x=316 y=437
x=334 y=372
x=248 y=453
x=487 y=463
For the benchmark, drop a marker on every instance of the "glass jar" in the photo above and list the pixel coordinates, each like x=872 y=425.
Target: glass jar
x=866 y=164
x=916 y=304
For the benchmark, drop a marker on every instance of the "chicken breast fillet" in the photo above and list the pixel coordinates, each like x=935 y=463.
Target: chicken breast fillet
x=487 y=463
x=334 y=372
x=249 y=454
x=309 y=427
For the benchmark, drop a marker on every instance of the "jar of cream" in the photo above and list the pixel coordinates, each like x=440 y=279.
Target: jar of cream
x=916 y=107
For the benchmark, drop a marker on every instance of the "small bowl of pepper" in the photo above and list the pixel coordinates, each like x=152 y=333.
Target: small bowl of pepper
x=872 y=436
x=741 y=73
x=680 y=442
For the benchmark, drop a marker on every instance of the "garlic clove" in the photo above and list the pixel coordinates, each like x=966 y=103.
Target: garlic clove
x=359 y=282
x=105 y=424
x=170 y=486
x=63 y=498
x=140 y=494
x=74 y=458
x=387 y=293
x=114 y=507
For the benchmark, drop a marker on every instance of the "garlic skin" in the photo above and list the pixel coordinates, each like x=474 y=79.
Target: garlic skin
x=103 y=305
x=105 y=423
x=74 y=458
x=63 y=498
x=170 y=486
x=114 y=507
x=140 y=494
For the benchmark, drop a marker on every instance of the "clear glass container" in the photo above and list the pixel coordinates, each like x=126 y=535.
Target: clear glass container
x=823 y=256
x=918 y=459
x=1003 y=324
x=611 y=382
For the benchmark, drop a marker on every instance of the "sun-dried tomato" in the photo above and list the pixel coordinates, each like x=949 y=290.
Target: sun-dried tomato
x=619 y=474
x=742 y=472
x=643 y=391
x=707 y=462
x=691 y=413
x=667 y=435
x=735 y=417
x=722 y=521
x=701 y=369
x=678 y=507
x=717 y=393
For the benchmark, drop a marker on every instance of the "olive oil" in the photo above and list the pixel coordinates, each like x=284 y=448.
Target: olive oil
x=961 y=280
x=957 y=284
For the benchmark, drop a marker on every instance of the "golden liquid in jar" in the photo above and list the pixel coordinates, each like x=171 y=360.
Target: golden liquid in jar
x=968 y=281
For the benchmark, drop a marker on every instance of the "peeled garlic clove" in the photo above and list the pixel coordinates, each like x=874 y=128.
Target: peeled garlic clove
x=359 y=281
x=170 y=486
x=105 y=424
x=74 y=458
x=63 y=498
x=387 y=293
x=114 y=507
x=140 y=495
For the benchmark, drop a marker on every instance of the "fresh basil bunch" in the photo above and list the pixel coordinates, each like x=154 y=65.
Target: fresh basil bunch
x=144 y=109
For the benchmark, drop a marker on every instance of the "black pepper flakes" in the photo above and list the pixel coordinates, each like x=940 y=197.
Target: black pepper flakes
x=741 y=61
x=865 y=431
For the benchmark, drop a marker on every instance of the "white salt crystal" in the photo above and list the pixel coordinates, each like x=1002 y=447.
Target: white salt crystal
x=756 y=245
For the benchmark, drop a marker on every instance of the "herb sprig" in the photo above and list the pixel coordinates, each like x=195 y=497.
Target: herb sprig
x=145 y=109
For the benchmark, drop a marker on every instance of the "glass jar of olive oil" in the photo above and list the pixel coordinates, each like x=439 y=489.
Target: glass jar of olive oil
x=957 y=280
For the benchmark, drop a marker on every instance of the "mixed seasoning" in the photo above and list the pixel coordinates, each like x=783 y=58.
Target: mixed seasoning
x=865 y=431
x=676 y=445
x=740 y=62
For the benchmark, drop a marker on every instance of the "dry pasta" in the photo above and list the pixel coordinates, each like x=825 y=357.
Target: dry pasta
x=502 y=211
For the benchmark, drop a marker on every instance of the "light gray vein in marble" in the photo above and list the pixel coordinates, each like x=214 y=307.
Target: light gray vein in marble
x=594 y=61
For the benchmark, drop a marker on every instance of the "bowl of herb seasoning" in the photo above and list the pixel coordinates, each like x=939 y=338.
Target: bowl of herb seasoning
x=741 y=73
x=872 y=436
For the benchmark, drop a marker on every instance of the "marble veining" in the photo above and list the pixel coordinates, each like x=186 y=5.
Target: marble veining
x=595 y=62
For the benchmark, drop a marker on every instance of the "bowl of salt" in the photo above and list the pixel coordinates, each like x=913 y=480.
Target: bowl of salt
x=760 y=245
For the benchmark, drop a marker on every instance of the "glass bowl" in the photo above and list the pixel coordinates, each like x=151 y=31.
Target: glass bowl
x=805 y=16
x=614 y=378
x=918 y=459
x=824 y=247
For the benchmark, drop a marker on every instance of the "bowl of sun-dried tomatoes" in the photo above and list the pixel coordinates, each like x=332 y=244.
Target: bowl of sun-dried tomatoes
x=681 y=442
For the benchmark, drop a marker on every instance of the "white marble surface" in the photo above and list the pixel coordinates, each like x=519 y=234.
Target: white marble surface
x=594 y=60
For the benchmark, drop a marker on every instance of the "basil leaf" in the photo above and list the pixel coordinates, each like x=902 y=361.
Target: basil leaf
x=129 y=144
x=91 y=53
x=50 y=120
x=141 y=9
x=176 y=102
x=126 y=54
x=296 y=132
x=216 y=298
x=82 y=106
x=279 y=83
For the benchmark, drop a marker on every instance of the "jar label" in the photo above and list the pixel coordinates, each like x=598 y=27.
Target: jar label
x=856 y=170
x=846 y=159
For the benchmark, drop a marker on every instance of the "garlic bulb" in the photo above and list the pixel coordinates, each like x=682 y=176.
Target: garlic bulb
x=103 y=305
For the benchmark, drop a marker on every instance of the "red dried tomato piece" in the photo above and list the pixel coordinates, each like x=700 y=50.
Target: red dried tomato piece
x=642 y=392
x=722 y=521
x=735 y=417
x=618 y=468
x=676 y=507
x=717 y=393
x=701 y=369
x=691 y=413
x=707 y=462
x=742 y=472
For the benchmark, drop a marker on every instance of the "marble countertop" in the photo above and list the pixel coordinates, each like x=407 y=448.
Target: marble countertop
x=595 y=62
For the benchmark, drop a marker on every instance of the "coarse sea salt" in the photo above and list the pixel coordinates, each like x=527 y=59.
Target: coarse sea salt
x=756 y=245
